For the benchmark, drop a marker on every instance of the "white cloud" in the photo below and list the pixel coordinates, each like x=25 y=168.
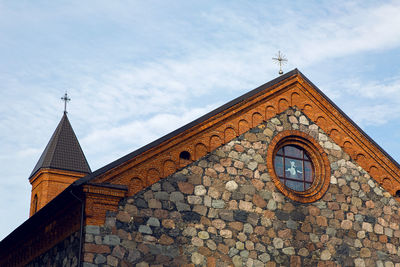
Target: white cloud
x=128 y=137
x=375 y=90
x=368 y=101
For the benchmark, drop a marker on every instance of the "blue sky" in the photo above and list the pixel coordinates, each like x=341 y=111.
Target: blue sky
x=136 y=70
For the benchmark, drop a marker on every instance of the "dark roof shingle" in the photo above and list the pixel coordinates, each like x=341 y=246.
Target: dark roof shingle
x=63 y=151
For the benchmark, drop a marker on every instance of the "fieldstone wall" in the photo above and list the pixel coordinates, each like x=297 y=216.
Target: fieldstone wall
x=224 y=210
x=64 y=253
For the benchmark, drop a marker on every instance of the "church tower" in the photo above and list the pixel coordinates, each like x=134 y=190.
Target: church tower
x=61 y=163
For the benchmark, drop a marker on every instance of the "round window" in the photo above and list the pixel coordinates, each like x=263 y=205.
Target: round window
x=299 y=166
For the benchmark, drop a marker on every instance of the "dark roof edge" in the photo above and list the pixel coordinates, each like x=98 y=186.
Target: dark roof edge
x=113 y=186
x=350 y=120
x=185 y=127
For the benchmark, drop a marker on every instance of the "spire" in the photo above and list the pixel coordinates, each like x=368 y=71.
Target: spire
x=281 y=60
x=65 y=98
x=63 y=151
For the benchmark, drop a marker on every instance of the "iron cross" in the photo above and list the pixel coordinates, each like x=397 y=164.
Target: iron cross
x=281 y=60
x=65 y=98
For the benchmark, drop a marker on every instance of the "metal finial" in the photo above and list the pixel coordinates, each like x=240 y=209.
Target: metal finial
x=281 y=60
x=65 y=98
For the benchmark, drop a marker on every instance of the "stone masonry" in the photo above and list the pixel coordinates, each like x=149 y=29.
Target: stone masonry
x=224 y=210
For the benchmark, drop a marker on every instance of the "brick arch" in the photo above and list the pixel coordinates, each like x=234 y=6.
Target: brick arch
x=257 y=118
x=35 y=203
x=374 y=172
x=270 y=111
x=153 y=175
x=229 y=134
x=360 y=157
x=347 y=145
x=215 y=142
x=183 y=162
x=200 y=150
x=307 y=108
x=169 y=167
x=283 y=104
x=295 y=99
x=350 y=148
x=186 y=148
x=395 y=189
x=135 y=185
x=387 y=183
x=334 y=134
x=243 y=126
x=320 y=120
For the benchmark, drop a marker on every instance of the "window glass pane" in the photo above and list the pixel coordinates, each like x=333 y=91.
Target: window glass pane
x=298 y=186
x=306 y=156
x=293 y=169
x=307 y=186
x=308 y=171
x=280 y=152
x=278 y=166
x=292 y=151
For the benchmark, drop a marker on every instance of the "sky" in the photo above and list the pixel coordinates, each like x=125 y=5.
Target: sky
x=137 y=70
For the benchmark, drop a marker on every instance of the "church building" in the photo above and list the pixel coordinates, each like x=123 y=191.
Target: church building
x=279 y=176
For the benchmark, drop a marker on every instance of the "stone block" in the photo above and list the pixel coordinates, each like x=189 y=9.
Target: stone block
x=94 y=248
x=92 y=229
x=100 y=259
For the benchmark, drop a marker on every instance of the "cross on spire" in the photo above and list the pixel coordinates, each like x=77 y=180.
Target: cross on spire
x=281 y=60
x=65 y=98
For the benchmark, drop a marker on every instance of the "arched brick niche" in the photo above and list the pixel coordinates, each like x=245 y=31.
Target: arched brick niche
x=317 y=156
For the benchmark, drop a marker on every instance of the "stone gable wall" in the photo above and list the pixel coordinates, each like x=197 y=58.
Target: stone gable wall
x=224 y=210
x=64 y=253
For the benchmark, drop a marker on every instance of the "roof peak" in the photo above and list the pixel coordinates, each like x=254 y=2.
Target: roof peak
x=63 y=151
